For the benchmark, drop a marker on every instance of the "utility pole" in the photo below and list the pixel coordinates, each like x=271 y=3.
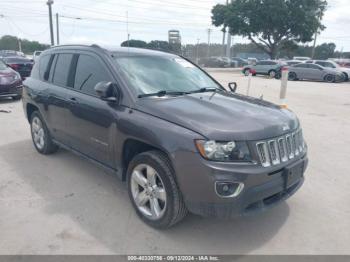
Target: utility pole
x=314 y=47
x=57 y=30
x=223 y=40
x=209 y=32
x=49 y=3
x=19 y=45
x=228 y=46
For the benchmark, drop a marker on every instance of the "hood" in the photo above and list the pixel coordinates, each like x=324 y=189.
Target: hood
x=222 y=116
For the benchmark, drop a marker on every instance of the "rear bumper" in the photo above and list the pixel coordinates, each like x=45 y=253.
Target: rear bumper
x=263 y=188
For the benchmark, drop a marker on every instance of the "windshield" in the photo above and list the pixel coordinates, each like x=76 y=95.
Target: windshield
x=151 y=74
x=2 y=65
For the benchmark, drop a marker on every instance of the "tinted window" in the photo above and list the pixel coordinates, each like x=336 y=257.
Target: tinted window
x=63 y=62
x=17 y=60
x=89 y=72
x=326 y=64
x=43 y=67
x=312 y=66
x=302 y=65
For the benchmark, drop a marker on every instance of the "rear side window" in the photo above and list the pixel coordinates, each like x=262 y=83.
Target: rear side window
x=312 y=66
x=44 y=67
x=62 y=67
x=89 y=72
x=301 y=65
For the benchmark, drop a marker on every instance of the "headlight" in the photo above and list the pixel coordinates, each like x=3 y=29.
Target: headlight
x=224 y=151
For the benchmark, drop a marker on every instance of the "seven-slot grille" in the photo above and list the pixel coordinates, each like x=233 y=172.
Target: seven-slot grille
x=281 y=149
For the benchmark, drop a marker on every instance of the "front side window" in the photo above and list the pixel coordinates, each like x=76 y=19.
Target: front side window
x=89 y=72
x=62 y=67
x=151 y=74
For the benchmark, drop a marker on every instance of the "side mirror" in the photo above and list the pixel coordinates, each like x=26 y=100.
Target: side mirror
x=232 y=86
x=107 y=91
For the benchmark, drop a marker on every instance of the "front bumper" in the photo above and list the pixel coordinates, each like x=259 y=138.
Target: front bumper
x=263 y=187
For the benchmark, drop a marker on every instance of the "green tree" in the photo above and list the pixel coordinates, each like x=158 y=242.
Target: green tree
x=134 y=43
x=8 y=42
x=271 y=23
x=159 y=45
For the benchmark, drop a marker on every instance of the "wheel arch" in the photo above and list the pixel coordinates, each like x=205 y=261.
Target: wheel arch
x=30 y=108
x=133 y=147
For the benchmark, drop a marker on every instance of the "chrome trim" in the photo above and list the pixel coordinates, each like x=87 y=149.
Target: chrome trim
x=264 y=155
x=284 y=156
x=235 y=194
x=274 y=153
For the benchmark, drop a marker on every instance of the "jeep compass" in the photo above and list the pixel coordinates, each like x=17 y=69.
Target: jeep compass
x=180 y=140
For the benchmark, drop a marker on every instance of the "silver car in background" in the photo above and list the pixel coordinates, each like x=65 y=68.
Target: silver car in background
x=306 y=71
x=332 y=64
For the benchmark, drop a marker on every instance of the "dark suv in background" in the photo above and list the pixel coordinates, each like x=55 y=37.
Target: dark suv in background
x=180 y=140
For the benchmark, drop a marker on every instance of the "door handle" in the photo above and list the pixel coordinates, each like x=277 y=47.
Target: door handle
x=73 y=100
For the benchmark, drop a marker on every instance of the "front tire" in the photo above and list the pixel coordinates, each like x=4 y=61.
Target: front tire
x=272 y=73
x=40 y=135
x=246 y=71
x=153 y=190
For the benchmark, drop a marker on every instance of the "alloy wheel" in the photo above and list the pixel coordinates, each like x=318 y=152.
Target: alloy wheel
x=38 y=133
x=148 y=191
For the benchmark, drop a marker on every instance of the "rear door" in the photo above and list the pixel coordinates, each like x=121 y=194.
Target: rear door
x=55 y=78
x=90 y=120
x=315 y=72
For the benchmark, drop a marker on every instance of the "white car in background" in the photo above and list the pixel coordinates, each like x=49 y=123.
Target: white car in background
x=332 y=64
x=301 y=58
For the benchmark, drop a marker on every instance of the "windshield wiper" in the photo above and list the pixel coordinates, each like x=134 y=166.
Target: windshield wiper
x=163 y=93
x=205 y=89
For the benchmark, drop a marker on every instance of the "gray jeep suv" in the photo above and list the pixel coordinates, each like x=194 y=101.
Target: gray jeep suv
x=177 y=137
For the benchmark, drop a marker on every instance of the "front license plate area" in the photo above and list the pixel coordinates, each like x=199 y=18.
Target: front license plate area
x=293 y=173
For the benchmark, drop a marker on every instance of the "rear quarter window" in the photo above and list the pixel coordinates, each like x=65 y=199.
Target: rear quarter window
x=44 y=67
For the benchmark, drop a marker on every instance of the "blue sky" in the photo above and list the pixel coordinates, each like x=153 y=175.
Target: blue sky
x=104 y=21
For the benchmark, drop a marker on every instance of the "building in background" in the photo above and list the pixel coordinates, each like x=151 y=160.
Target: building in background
x=174 y=37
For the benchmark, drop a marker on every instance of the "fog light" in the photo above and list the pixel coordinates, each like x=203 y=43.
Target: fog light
x=228 y=189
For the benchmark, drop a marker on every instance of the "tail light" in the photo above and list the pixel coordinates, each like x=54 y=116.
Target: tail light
x=14 y=66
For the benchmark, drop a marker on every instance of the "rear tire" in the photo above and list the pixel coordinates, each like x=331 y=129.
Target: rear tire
x=40 y=135
x=329 y=78
x=144 y=190
x=292 y=76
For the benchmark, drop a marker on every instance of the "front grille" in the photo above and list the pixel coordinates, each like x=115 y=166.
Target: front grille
x=280 y=149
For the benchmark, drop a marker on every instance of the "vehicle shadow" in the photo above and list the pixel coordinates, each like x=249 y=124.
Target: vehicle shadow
x=72 y=187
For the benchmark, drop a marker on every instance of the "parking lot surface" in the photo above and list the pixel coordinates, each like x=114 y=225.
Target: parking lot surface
x=62 y=204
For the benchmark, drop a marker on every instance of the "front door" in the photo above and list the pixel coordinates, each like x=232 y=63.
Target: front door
x=91 y=121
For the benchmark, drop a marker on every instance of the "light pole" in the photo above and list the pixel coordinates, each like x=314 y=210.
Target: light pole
x=57 y=30
x=208 y=51
x=49 y=3
x=197 y=51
